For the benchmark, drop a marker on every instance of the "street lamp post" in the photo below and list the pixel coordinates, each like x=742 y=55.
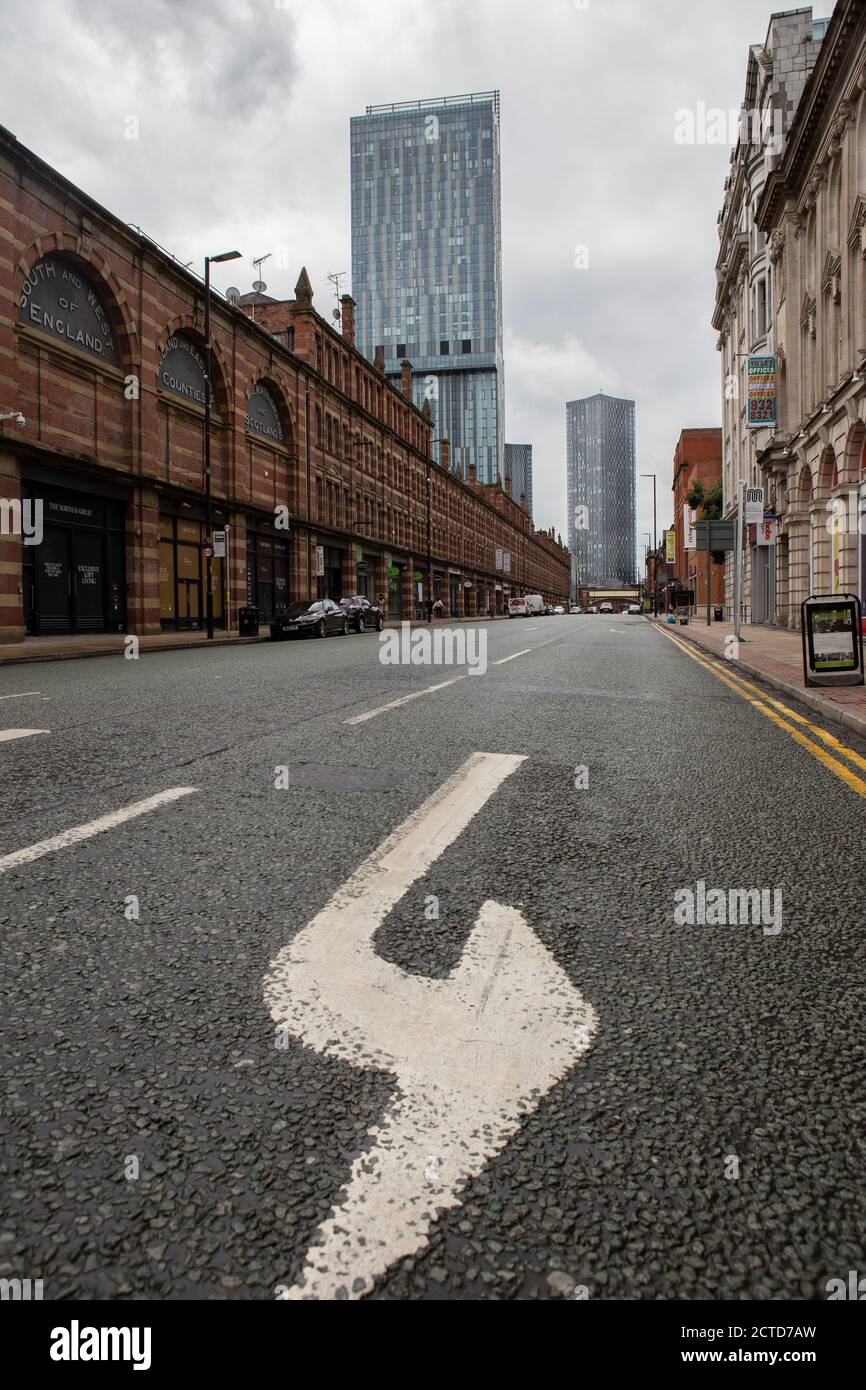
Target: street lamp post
x=223 y=256
x=655 y=551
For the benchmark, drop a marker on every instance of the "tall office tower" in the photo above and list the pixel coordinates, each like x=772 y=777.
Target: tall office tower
x=427 y=262
x=518 y=471
x=601 y=490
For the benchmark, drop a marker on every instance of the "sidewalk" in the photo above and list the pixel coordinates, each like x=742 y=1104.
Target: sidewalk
x=776 y=656
x=66 y=648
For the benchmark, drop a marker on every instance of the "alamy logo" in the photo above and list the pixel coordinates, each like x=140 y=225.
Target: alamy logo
x=20 y=1290
x=447 y=646
x=22 y=519
x=854 y=1289
x=722 y=907
x=77 y=1343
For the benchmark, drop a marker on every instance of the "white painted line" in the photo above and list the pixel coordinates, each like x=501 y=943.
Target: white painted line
x=94 y=827
x=533 y=629
x=471 y=1055
x=7 y=735
x=416 y=695
x=502 y=660
x=20 y=695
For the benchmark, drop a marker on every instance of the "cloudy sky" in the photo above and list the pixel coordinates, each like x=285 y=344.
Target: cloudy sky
x=242 y=112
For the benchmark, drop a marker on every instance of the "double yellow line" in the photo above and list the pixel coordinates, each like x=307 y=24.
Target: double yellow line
x=816 y=741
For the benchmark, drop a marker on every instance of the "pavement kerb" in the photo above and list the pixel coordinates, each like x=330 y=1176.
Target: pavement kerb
x=795 y=692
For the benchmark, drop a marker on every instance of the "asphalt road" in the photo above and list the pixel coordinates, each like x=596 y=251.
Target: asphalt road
x=158 y=1141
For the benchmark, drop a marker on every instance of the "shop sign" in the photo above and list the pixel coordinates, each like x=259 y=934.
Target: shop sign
x=766 y=531
x=417 y=574
x=832 y=640
x=58 y=299
x=394 y=571
x=320 y=561
x=182 y=369
x=761 y=383
x=262 y=415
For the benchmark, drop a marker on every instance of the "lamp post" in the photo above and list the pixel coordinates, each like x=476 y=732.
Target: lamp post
x=223 y=256
x=655 y=534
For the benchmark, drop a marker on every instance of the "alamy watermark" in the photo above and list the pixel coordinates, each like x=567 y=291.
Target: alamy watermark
x=446 y=646
x=23 y=519
x=729 y=907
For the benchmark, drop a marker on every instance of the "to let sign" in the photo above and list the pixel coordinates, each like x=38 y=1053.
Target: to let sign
x=761 y=383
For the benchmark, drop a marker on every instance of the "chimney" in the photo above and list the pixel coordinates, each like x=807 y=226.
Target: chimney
x=379 y=359
x=445 y=454
x=523 y=501
x=348 y=304
x=507 y=487
x=425 y=408
x=406 y=378
x=473 y=475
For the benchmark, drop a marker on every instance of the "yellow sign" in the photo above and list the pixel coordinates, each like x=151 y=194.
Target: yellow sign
x=670 y=547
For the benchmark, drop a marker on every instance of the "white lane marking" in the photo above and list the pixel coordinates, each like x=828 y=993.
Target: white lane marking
x=416 y=695
x=533 y=629
x=7 y=735
x=502 y=660
x=470 y=1055
x=77 y=833
x=19 y=695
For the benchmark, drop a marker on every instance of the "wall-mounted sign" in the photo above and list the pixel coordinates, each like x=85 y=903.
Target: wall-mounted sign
x=499 y=558
x=59 y=299
x=320 y=561
x=219 y=544
x=670 y=547
x=761 y=380
x=690 y=540
x=182 y=370
x=754 y=505
x=832 y=640
x=262 y=415
x=506 y=562
x=767 y=531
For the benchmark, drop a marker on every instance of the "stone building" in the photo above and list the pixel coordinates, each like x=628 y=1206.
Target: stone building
x=321 y=468
x=747 y=293
x=812 y=213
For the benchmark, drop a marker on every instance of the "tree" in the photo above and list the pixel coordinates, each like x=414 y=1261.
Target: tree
x=706 y=500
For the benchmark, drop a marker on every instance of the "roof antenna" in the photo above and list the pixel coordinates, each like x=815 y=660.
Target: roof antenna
x=259 y=285
x=335 y=279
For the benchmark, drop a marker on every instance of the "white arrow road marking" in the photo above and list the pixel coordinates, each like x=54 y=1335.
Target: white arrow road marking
x=7 y=735
x=470 y=1054
x=94 y=827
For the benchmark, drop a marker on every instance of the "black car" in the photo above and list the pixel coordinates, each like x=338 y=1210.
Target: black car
x=303 y=619
x=362 y=613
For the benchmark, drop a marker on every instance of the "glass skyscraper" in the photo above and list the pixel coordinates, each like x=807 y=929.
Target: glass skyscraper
x=426 y=262
x=600 y=462
x=518 y=471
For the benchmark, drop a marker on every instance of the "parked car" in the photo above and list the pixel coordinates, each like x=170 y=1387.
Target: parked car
x=575 y=608
x=518 y=608
x=605 y=608
x=304 y=619
x=559 y=608
x=535 y=606
x=592 y=609
x=362 y=613
x=634 y=608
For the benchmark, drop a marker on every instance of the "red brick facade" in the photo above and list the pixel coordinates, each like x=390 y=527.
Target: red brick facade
x=351 y=466
x=698 y=455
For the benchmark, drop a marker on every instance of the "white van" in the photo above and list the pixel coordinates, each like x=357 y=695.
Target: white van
x=535 y=605
x=517 y=608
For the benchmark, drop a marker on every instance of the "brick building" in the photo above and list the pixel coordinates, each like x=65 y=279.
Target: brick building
x=321 y=469
x=697 y=458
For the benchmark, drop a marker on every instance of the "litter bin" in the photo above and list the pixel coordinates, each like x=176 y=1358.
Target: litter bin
x=719 y=613
x=248 y=622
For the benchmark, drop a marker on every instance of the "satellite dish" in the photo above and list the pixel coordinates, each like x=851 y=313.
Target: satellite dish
x=259 y=286
x=337 y=315
x=233 y=295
